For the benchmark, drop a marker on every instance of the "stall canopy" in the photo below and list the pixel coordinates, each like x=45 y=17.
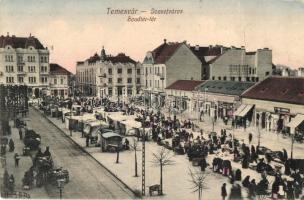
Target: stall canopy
x=295 y=122
x=110 y=134
x=243 y=110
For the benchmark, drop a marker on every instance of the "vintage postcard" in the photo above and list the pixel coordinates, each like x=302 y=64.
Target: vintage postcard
x=138 y=99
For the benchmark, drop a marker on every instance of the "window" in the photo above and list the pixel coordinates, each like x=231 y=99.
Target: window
x=146 y=83
x=138 y=80
x=147 y=71
x=232 y=78
x=247 y=79
x=31 y=58
x=9 y=68
x=138 y=71
x=257 y=79
x=119 y=80
x=240 y=78
x=119 y=70
x=213 y=77
x=20 y=68
x=61 y=81
x=129 y=71
x=9 y=58
x=110 y=80
x=20 y=79
x=129 y=80
x=252 y=79
x=110 y=71
x=110 y=91
x=32 y=79
x=150 y=83
x=43 y=69
x=9 y=79
x=224 y=78
x=20 y=58
x=129 y=91
x=150 y=70
x=55 y=80
x=267 y=74
x=219 y=78
x=31 y=69
x=43 y=79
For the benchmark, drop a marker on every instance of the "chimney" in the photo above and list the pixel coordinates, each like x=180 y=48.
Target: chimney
x=165 y=41
x=210 y=47
x=196 y=47
x=7 y=34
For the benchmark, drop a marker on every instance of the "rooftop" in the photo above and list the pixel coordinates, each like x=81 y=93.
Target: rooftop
x=20 y=42
x=201 y=52
x=186 y=85
x=163 y=53
x=225 y=87
x=119 y=58
x=278 y=89
x=56 y=69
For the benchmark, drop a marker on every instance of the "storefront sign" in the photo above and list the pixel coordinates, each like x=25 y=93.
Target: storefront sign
x=281 y=110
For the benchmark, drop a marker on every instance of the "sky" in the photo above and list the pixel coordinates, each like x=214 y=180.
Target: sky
x=77 y=29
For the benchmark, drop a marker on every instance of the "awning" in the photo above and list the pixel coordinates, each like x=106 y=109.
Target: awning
x=239 y=110
x=295 y=122
x=243 y=110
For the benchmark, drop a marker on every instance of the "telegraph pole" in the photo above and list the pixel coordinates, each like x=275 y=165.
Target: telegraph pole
x=143 y=176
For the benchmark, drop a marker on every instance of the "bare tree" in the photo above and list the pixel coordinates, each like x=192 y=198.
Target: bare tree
x=198 y=180
x=162 y=158
x=135 y=148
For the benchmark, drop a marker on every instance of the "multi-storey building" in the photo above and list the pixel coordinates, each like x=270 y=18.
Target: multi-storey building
x=107 y=75
x=59 y=81
x=24 y=60
x=235 y=64
x=168 y=63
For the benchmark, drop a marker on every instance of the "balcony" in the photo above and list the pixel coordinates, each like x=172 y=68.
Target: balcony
x=20 y=63
x=161 y=75
x=103 y=75
x=21 y=73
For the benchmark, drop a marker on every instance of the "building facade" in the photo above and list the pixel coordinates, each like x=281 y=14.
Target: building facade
x=235 y=64
x=24 y=61
x=59 y=81
x=105 y=75
x=220 y=99
x=277 y=102
x=180 y=95
x=168 y=63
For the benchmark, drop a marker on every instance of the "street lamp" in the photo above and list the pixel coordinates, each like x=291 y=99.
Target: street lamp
x=292 y=142
x=60 y=186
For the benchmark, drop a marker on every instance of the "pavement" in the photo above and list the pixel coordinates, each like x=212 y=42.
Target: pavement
x=176 y=177
x=24 y=164
x=88 y=179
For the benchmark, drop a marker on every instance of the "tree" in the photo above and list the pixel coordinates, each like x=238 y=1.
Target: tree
x=135 y=147
x=162 y=158
x=198 y=180
x=5 y=180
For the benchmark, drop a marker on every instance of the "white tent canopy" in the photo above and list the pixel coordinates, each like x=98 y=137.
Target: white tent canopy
x=243 y=110
x=295 y=122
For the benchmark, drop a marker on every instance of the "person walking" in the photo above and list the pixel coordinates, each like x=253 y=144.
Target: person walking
x=11 y=145
x=20 y=133
x=250 y=138
x=17 y=158
x=224 y=191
